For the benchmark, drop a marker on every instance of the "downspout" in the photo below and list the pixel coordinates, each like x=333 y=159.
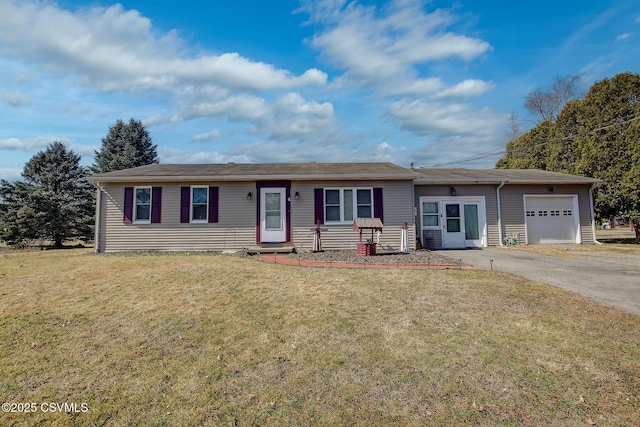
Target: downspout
x=96 y=231
x=593 y=216
x=414 y=211
x=502 y=183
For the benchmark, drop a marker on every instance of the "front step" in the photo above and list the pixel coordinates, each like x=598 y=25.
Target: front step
x=272 y=248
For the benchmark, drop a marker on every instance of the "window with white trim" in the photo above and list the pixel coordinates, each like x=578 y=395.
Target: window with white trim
x=346 y=204
x=142 y=205
x=199 y=204
x=430 y=214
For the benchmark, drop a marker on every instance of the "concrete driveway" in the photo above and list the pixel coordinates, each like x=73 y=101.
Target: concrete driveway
x=608 y=278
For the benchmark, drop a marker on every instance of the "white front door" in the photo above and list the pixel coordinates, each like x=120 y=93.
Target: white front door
x=273 y=218
x=453 y=225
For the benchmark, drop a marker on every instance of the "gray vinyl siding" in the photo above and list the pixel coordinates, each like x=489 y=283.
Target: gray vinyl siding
x=511 y=198
x=396 y=197
x=235 y=229
x=512 y=201
x=491 y=206
x=513 y=216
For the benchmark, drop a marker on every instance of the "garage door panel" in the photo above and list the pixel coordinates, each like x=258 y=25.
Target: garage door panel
x=550 y=220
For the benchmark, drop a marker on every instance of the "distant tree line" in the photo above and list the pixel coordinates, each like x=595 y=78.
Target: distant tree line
x=54 y=203
x=597 y=136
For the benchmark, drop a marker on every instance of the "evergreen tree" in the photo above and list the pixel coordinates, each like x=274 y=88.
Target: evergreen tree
x=598 y=137
x=609 y=115
x=529 y=151
x=54 y=202
x=127 y=145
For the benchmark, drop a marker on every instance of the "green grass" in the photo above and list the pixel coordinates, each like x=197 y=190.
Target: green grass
x=179 y=339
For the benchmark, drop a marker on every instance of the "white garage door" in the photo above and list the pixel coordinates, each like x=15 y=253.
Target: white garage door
x=551 y=219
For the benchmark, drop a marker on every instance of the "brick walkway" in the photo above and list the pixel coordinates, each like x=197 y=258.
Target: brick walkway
x=287 y=260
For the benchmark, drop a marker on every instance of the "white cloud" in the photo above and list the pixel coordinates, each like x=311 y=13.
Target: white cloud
x=235 y=107
x=409 y=86
x=116 y=49
x=172 y=155
x=383 y=46
x=387 y=51
x=600 y=66
x=467 y=89
x=426 y=118
x=623 y=37
x=10 y=174
x=25 y=145
x=206 y=135
x=288 y=117
x=40 y=143
x=387 y=152
x=292 y=117
x=457 y=150
x=16 y=99
x=330 y=151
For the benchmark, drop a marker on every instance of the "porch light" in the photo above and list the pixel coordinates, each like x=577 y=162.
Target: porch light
x=453 y=191
x=296 y=195
x=551 y=188
x=249 y=195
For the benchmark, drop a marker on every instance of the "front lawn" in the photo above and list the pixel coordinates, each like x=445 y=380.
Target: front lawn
x=184 y=339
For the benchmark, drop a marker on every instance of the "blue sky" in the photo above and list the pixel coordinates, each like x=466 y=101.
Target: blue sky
x=292 y=81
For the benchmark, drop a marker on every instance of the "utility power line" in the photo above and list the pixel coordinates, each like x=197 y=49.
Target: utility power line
x=542 y=143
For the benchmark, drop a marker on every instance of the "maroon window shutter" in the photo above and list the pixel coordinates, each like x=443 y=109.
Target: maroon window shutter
x=128 y=205
x=378 y=211
x=213 y=204
x=156 y=203
x=318 y=196
x=185 y=202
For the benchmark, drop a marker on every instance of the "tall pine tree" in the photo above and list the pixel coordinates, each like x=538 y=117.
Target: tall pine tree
x=53 y=203
x=127 y=145
x=599 y=137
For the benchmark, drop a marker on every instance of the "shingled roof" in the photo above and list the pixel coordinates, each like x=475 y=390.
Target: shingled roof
x=258 y=171
x=435 y=176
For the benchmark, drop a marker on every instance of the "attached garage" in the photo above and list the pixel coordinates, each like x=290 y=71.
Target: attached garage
x=552 y=219
x=514 y=207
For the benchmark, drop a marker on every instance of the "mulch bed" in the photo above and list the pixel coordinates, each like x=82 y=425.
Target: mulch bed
x=420 y=259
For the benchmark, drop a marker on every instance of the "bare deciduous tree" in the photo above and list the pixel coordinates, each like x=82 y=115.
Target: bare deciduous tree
x=546 y=104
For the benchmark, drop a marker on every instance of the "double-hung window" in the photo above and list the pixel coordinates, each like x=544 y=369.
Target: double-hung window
x=142 y=209
x=199 y=204
x=142 y=205
x=430 y=214
x=346 y=204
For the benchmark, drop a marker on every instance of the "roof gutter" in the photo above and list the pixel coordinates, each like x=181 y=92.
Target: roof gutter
x=502 y=183
x=248 y=178
x=593 y=216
